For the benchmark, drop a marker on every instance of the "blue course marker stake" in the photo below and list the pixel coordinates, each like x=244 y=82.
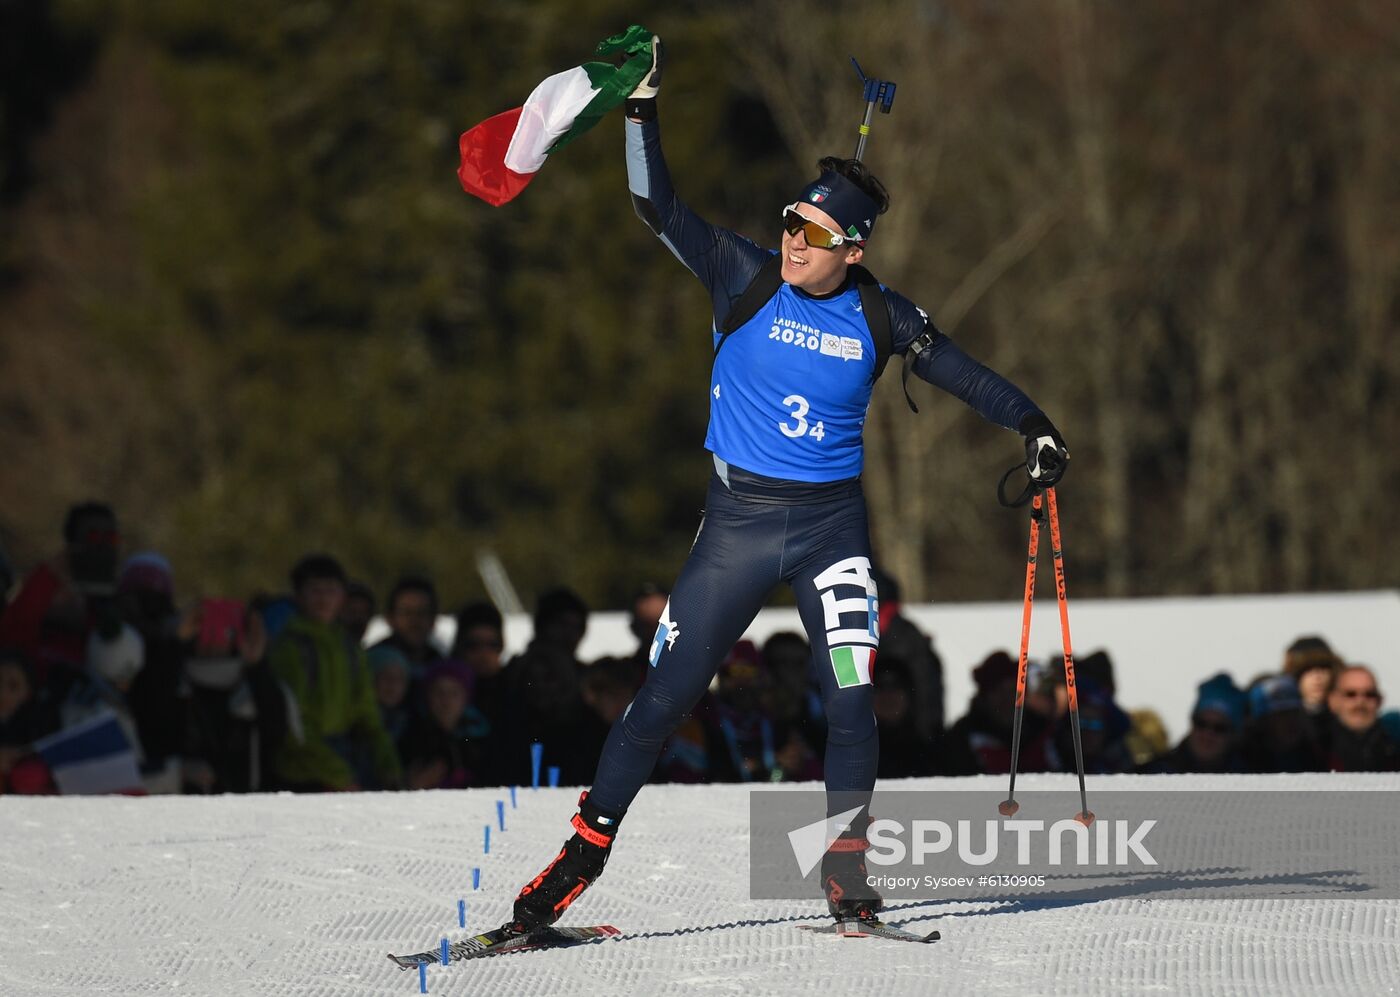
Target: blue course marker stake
x=461 y=913
x=536 y=754
x=422 y=977
x=486 y=840
x=446 y=956
x=476 y=878
x=553 y=776
x=512 y=797
x=501 y=814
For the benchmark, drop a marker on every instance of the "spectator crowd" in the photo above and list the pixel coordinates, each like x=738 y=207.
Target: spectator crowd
x=279 y=692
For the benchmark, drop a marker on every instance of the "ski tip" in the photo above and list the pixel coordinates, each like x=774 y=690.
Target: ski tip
x=563 y=935
x=576 y=933
x=404 y=963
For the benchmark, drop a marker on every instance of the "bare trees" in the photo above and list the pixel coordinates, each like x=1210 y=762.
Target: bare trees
x=1175 y=227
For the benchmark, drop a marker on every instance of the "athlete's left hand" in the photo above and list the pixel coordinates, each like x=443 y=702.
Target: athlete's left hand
x=1046 y=454
x=651 y=83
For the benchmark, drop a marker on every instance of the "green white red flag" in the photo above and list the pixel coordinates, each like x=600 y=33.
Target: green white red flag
x=500 y=156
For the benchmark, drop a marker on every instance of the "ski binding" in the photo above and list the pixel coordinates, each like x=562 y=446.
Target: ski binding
x=858 y=928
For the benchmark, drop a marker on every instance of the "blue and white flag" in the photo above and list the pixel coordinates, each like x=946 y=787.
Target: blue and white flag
x=92 y=757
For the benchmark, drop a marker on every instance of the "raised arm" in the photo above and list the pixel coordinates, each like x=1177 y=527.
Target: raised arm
x=724 y=261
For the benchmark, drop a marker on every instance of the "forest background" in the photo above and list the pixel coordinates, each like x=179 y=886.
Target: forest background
x=243 y=298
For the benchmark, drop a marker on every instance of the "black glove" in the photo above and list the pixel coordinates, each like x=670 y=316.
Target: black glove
x=1046 y=455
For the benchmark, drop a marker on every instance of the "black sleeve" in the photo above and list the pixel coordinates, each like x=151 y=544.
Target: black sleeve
x=724 y=261
x=944 y=365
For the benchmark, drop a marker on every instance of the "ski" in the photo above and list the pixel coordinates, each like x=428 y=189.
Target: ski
x=856 y=928
x=502 y=940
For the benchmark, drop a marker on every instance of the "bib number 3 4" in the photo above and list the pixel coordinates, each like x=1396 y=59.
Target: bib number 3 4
x=799 y=425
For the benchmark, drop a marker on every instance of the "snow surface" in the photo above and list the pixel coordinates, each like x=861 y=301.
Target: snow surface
x=305 y=895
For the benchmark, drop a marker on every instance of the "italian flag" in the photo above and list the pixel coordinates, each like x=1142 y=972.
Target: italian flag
x=852 y=665
x=500 y=156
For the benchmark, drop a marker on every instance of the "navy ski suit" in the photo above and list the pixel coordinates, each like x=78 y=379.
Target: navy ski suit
x=788 y=395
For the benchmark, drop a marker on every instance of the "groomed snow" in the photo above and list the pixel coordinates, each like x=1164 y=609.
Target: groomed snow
x=272 y=895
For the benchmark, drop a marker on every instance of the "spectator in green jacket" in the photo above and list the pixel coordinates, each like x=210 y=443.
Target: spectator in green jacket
x=336 y=739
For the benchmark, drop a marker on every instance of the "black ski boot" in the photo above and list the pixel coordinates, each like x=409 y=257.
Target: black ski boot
x=848 y=896
x=578 y=864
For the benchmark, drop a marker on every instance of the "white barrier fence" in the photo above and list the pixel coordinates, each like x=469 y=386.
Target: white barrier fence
x=1161 y=648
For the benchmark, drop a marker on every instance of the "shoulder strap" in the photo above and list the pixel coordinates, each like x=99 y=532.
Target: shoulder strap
x=764 y=285
x=877 y=315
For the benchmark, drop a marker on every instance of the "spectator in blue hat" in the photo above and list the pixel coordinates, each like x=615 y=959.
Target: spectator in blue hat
x=1278 y=736
x=1103 y=727
x=1212 y=745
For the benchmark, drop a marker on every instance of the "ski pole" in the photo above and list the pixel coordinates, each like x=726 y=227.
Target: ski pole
x=1084 y=816
x=1009 y=806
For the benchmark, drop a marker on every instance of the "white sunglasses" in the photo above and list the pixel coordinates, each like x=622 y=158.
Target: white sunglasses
x=818 y=235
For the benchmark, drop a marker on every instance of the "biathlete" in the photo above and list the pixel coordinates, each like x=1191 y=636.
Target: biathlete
x=788 y=396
